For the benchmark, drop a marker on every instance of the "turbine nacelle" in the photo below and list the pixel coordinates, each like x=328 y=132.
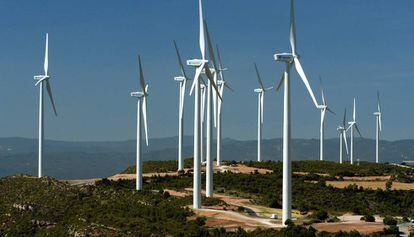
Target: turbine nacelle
x=220 y=82
x=179 y=79
x=285 y=57
x=258 y=90
x=322 y=107
x=377 y=113
x=40 y=78
x=138 y=94
x=340 y=129
x=196 y=62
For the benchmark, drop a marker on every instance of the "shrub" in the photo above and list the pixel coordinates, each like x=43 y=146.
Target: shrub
x=368 y=218
x=388 y=220
x=388 y=185
x=392 y=230
x=333 y=219
x=289 y=223
x=240 y=209
x=321 y=215
x=201 y=221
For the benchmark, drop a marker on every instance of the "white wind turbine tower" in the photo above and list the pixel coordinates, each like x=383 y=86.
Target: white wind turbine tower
x=352 y=125
x=200 y=65
x=203 y=103
x=141 y=110
x=260 y=111
x=41 y=79
x=291 y=59
x=342 y=138
x=183 y=82
x=221 y=84
x=323 y=108
x=211 y=95
x=378 y=117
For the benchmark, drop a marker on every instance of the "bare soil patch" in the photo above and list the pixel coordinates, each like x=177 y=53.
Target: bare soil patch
x=371 y=184
x=363 y=227
x=244 y=169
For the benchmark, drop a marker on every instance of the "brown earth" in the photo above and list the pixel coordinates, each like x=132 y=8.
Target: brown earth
x=236 y=169
x=369 y=178
x=361 y=227
x=372 y=184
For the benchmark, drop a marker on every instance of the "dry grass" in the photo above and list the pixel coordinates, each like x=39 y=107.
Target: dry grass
x=371 y=184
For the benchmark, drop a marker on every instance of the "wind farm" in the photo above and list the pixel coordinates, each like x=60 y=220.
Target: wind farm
x=209 y=158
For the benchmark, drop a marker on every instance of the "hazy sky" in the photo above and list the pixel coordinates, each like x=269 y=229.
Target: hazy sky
x=356 y=46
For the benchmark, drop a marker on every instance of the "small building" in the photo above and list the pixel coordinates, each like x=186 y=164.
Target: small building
x=274 y=216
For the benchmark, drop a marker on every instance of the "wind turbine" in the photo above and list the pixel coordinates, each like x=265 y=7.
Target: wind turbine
x=182 y=84
x=290 y=59
x=141 y=110
x=323 y=108
x=352 y=125
x=221 y=84
x=200 y=65
x=260 y=111
x=41 y=79
x=209 y=127
x=342 y=138
x=378 y=124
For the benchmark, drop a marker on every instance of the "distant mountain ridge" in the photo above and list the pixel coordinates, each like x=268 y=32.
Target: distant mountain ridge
x=72 y=160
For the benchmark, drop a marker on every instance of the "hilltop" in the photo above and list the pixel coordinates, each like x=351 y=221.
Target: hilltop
x=80 y=160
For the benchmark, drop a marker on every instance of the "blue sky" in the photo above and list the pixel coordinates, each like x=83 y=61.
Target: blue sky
x=356 y=46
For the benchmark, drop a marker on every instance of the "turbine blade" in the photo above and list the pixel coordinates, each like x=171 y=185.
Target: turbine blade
x=227 y=85
x=180 y=61
x=201 y=39
x=322 y=92
x=141 y=75
x=380 y=122
x=196 y=77
x=354 y=113
x=49 y=92
x=344 y=121
x=258 y=76
x=210 y=47
x=220 y=102
x=378 y=102
x=210 y=77
x=220 y=63
x=292 y=35
x=350 y=126
x=144 y=115
x=302 y=75
x=357 y=129
x=46 y=63
x=330 y=111
x=282 y=80
x=345 y=141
